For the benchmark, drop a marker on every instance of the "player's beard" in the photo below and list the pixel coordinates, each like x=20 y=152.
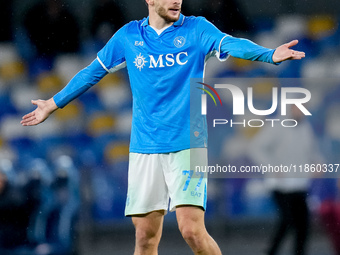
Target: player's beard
x=162 y=12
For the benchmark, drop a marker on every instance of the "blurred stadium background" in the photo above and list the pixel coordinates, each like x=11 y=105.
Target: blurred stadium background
x=86 y=143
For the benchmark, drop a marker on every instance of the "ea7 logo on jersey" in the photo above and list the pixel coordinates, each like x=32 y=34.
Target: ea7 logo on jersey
x=139 y=43
x=161 y=60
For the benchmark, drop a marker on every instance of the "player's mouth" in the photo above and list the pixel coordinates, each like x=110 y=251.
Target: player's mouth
x=175 y=11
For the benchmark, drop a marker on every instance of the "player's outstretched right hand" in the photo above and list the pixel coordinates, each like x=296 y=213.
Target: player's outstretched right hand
x=41 y=113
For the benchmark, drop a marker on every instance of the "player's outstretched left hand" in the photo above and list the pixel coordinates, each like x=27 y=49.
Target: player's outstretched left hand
x=284 y=52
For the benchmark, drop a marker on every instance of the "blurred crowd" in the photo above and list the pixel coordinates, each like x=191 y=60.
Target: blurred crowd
x=41 y=168
x=38 y=207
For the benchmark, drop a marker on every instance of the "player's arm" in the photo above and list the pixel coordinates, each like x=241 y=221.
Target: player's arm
x=81 y=82
x=212 y=38
x=246 y=49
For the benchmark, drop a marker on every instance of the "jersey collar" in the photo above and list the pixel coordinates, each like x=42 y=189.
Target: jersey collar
x=179 y=22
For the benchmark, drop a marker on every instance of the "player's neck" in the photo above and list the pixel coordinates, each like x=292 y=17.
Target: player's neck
x=158 y=22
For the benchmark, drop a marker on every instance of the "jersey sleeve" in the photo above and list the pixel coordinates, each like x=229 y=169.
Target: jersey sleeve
x=210 y=38
x=81 y=82
x=246 y=49
x=112 y=55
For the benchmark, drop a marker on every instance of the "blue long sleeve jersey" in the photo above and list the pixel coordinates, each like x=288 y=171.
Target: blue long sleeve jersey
x=160 y=68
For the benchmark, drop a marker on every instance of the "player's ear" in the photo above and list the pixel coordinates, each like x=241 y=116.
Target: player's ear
x=149 y=2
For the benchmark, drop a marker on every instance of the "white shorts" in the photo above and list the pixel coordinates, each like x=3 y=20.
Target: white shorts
x=156 y=179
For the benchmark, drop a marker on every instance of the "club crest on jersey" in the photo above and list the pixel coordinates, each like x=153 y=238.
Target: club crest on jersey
x=179 y=41
x=140 y=61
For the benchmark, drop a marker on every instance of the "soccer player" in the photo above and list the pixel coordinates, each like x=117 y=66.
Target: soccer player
x=161 y=53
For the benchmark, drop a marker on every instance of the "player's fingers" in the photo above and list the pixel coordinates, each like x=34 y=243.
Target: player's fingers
x=292 y=43
x=35 y=102
x=26 y=121
x=296 y=58
x=298 y=54
x=30 y=123
x=27 y=124
x=30 y=118
x=28 y=115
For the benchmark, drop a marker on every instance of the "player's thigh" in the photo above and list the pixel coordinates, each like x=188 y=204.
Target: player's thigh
x=186 y=186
